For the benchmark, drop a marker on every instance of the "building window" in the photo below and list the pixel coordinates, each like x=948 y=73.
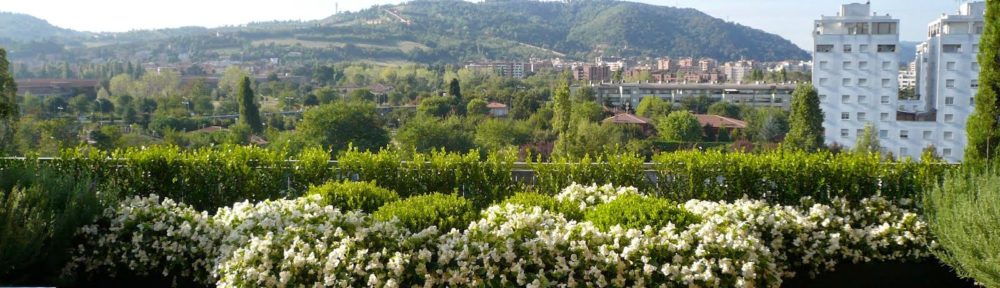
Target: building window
x=863 y=48
x=883 y=134
x=885 y=83
x=884 y=116
x=885 y=28
x=886 y=48
x=859 y=132
x=862 y=99
x=948 y=135
x=950 y=66
x=975 y=83
x=950 y=83
x=903 y=151
x=845 y=116
x=975 y=66
x=947 y=151
x=824 y=48
x=862 y=116
x=886 y=65
x=822 y=97
x=823 y=65
x=928 y=135
x=952 y=48
x=863 y=65
x=863 y=82
x=949 y=117
x=885 y=99
x=847 y=48
x=845 y=99
x=972 y=101
x=904 y=134
x=844 y=133
x=822 y=81
x=847 y=65
x=949 y=100
x=847 y=82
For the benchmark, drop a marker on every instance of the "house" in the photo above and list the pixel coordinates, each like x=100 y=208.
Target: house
x=498 y=109
x=645 y=124
x=713 y=125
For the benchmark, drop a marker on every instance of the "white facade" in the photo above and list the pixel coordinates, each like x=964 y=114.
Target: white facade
x=947 y=80
x=855 y=72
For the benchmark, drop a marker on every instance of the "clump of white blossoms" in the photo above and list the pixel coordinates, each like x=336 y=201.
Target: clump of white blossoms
x=745 y=243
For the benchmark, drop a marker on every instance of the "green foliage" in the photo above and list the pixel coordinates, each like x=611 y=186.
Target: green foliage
x=652 y=107
x=9 y=112
x=964 y=215
x=785 y=176
x=341 y=124
x=806 y=121
x=497 y=134
x=249 y=113
x=983 y=126
x=455 y=91
x=636 y=212
x=589 y=138
x=725 y=109
x=417 y=213
x=623 y=169
x=350 y=196
x=435 y=106
x=547 y=202
x=425 y=134
x=868 y=140
x=482 y=182
x=679 y=126
x=563 y=108
x=765 y=124
x=477 y=107
x=41 y=210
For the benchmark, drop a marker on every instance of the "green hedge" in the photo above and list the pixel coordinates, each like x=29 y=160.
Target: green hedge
x=636 y=212
x=420 y=212
x=350 y=196
x=213 y=177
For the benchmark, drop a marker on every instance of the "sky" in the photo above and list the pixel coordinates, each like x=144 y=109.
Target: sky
x=791 y=19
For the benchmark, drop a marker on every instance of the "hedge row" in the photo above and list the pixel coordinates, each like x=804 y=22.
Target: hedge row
x=218 y=176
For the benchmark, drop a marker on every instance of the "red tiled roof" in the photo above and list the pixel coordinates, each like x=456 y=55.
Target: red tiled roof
x=626 y=118
x=496 y=105
x=720 y=122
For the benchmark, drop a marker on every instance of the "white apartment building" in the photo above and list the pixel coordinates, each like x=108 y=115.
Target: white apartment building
x=947 y=80
x=855 y=72
x=737 y=70
x=857 y=77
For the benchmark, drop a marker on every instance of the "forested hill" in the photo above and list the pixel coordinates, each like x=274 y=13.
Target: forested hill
x=455 y=31
x=22 y=28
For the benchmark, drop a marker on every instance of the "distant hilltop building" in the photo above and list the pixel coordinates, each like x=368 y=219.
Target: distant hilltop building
x=856 y=74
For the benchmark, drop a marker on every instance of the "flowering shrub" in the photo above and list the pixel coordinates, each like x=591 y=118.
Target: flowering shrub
x=745 y=243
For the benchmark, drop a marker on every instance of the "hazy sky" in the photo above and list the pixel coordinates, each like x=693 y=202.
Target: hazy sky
x=791 y=19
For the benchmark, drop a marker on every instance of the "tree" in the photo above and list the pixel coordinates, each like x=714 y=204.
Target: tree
x=679 y=126
x=806 y=121
x=425 y=134
x=9 y=112
x=652 y=107
x=455 y=91
x=496 y=134
x=230 y=83
x=983 y=127
x=589 y=138
x=868 y=141
x=725 y=109
x=437 y=106
x=249 y=113
x=478 y=107
x=338 y=124
x=563 y=108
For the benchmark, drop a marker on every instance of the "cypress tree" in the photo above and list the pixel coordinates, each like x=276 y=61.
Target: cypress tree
x=9 y=113
x=982 y=127
x=249 y=114
x=455 y=91
x=806 y=122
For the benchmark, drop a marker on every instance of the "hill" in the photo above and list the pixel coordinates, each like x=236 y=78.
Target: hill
x=445 y=32
x=23 y=28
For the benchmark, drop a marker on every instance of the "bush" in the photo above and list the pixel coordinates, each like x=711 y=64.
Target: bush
x=531 y=199
x=420 y=212
x=963 y=215
x=350 y=196
x=633 y=211
x=40 y=211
